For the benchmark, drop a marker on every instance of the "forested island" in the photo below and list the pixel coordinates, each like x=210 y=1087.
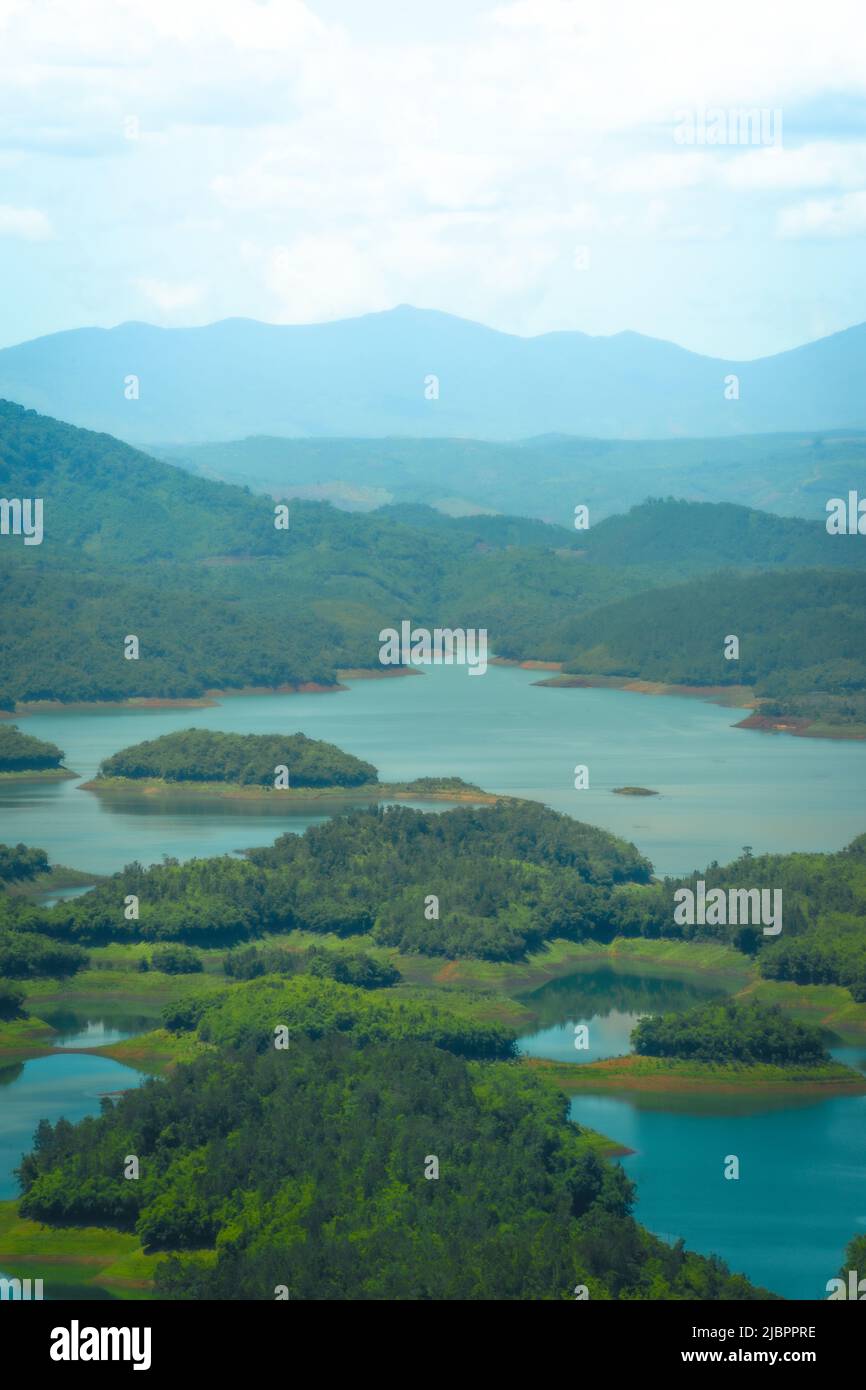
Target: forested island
x=21 y=755
x=204 y=762
x=241 y=760
x=502 y=879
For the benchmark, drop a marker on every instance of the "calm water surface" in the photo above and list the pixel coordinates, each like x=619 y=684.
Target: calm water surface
x=720 y=787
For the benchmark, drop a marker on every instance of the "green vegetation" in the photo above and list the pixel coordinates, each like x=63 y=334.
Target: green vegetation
x=11 y=1000
x=791 y=474
x=74 y=1255
x=18 y=863
x=802 y=639
x=27 y=953
x=358 y=968
x=225 y=600
x=309 y=1167
x=518 y=886
x=823 y=940
x=311 y=1006
x=728 y=1031
x=21 y=752
x=202 y=755
x=659 y=1079
x=25 y=950
x=176 y=960
x=508 y=877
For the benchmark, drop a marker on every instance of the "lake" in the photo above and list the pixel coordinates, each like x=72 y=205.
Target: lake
x=720 y=787
x=802 y=1191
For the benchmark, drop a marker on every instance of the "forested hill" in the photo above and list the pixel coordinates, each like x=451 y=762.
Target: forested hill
x=312 y=1173
x=106 y=501
x=802 y=637
x=221 y=597
x=545 y=477
x=103 y=499
x=701 y=536
x=506 y=878
x=203 y=755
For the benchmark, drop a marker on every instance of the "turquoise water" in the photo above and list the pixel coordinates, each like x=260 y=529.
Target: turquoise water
x=67 y=1084
x=802 y=1191
x=720 y=787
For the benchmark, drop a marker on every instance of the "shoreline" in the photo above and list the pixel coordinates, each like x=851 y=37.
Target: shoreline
x=367 y=791
x=669 y=1076
x=37 y=774
x=728 y=696
x=208 y=698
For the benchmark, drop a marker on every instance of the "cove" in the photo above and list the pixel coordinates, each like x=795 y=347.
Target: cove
x=65 y=1083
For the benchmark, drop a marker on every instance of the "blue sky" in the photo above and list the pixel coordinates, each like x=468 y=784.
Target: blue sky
x=537 y=166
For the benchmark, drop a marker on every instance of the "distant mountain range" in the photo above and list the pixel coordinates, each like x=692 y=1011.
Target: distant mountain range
x=790 y=474
x=424 y=374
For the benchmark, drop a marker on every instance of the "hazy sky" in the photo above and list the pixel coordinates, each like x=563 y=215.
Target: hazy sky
x=527 y=165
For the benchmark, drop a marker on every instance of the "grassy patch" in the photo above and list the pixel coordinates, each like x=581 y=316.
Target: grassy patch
x=561 y=958
x=830 y=1006
x=672 y=1076
x=155 y=1052
x=21 y=1038
x=74 y=1255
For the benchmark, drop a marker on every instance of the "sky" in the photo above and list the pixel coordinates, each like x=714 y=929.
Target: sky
x=536 y=166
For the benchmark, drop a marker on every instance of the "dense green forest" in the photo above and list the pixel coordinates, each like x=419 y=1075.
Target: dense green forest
x=374 y=1157
x=18 y=862
x=727 y=1031
x=21 y=752
x=358 y=968
x=204 y=755
x=494 y=882
x=219 y=597
x=507 y=878
x=823 y=940
x=802 y=637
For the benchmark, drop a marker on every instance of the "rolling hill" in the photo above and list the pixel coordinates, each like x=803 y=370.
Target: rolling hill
x=219 y=597
x=790 y=474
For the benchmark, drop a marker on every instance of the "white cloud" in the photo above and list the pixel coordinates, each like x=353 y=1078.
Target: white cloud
x=27 y=223
x=170 y=297
x=456 y=166
x=826 y=217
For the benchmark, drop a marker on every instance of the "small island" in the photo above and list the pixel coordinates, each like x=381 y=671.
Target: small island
x=206 y=763
x=714 y=1049
x=25 y=758
x=634 y=791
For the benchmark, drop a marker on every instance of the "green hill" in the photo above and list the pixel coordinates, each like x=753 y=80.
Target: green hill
x=219 y=597
x=544 y=477
x=203 y=755
x=802 y=639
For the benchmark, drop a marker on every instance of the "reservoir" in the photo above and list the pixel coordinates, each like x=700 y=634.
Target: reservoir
x=719 y=787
